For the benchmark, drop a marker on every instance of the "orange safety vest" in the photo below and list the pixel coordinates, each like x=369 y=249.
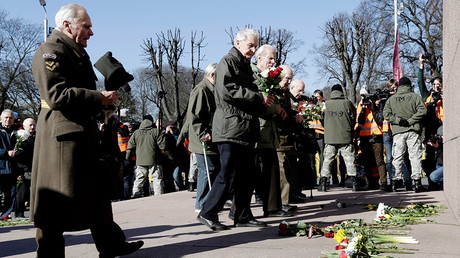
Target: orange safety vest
x=386 y=127
x=370 y=127
x=439 y=108
x=317 y=126
x=122 y=141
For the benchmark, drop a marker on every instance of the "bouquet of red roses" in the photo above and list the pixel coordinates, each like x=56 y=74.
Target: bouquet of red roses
x=269 y=83
x=311 y=112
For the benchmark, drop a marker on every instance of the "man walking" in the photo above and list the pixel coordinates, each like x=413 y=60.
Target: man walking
x=200 y=111
x=69 y=180
x=235 y=129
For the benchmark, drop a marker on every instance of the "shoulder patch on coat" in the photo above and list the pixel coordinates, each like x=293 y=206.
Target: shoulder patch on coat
x=50 y=65
x=49 y=56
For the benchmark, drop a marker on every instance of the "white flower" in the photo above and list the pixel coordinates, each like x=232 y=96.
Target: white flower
x=264 y=73
x=352 y=245
x=283 y=74
x=23 y=134
x=381 y=210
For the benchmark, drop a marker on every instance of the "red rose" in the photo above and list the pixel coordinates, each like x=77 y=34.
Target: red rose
x=343 y=254
x=338 y=247
x=274 y=73
x=329 y=234
x=345 y=241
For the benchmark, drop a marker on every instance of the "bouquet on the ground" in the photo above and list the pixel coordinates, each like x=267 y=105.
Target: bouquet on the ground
x=269 y=83
x=21 y=137
x=311 y=112
x=355 y=238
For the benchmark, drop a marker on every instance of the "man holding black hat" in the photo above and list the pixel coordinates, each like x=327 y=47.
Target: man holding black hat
x=68 y=191
x=405 y=110
x=339 y=120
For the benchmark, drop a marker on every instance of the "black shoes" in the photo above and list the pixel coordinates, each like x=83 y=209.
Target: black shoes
x=124 y=249
x=418 y=186
x=395 y=184
x=213 y=225
x=289 y=207
x=323 y=184
x=408 y=185
x=385 y=188
x=252 y=223
x=280 y=213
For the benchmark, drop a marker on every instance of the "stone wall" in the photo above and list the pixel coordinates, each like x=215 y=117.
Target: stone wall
x=451 y=83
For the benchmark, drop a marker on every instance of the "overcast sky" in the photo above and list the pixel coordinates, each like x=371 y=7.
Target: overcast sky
x=122 y=26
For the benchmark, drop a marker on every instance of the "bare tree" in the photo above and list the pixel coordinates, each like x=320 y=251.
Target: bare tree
x=154 y=54
x=282 y=40
x=196 y=45
x=345 y=36
x=144 y=92
x=172 y=81
x=420 y=29
x=18 y=42
x=378 y=48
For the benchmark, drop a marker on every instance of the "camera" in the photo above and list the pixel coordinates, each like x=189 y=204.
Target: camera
x=311 y=99
x=435 y=138
x=426 y=56
x=381 y=95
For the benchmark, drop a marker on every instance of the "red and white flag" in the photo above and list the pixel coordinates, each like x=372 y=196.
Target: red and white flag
x=397 y=71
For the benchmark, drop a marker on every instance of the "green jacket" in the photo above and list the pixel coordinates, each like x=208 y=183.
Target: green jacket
x=201 y=107
x=339 y=119
x=269 y=137
x=404 y=104
x=147 y=142
x=424 y=92
x=238 y=102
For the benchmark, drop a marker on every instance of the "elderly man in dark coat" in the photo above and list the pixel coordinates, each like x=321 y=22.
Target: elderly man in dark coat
x=68 y=192
x=235 y=129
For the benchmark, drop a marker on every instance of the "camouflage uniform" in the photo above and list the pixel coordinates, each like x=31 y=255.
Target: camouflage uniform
x=406 y=106
x=339 y=119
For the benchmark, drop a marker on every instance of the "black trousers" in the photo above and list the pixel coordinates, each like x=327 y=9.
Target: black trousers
x=51 y=243
x=237 y=173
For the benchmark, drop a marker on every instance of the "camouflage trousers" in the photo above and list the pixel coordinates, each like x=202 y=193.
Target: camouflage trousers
x=412 y=143
x=330 y=152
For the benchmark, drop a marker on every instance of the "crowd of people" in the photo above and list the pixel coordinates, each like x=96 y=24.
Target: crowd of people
x=236 y=142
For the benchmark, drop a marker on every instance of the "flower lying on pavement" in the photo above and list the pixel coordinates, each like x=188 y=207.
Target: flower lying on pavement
x=367 y=239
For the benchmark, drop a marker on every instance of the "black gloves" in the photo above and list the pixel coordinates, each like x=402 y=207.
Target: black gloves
x=403 y=122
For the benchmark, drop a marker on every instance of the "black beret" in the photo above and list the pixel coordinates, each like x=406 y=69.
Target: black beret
x=112 y=70
x=405 y=81
x=337 y=87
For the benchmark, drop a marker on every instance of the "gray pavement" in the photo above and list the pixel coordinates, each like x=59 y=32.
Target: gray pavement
x=168 y=226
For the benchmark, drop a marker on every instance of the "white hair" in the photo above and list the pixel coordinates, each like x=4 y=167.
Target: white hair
x=262 y=51
x=7 y=111
x=210 y=68
x=67 y=13
x=242 y=35
x=28 y=121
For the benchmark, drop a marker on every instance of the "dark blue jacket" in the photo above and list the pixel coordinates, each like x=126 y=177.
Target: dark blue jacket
x=7 y=142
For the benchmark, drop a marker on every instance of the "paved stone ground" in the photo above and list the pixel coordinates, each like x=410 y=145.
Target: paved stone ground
x=169 y=228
